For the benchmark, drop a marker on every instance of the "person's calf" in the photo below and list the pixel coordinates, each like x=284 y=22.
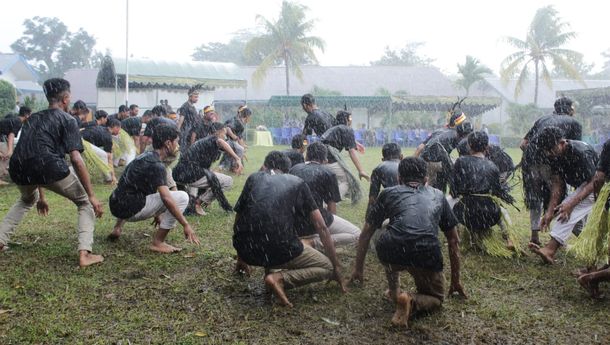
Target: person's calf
x=404 y=305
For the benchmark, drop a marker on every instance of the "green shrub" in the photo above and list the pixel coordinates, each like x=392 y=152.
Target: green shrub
x=8 y=97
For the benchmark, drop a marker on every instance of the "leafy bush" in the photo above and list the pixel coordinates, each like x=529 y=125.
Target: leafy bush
x=522 y=117
x=8 y=97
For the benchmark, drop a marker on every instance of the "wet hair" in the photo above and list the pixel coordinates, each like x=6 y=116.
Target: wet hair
x=563 y=106
x=390 y=151
x=55 y=88
x=25 y=111
x=133 y=106
x=343 y=117
x=549 y=138
x=147 y=113
x=276 y=160
x=122 y=108
x=297 y=141
x=163 y=133
x=80 y=106
x=478 y=141
x=317 y=152
x=113 y=123
x=244 y=111
x=308 y=99
x=412 y=169
x=100 y=114
x=216 y=126
x=464 y=129
x=159 y=110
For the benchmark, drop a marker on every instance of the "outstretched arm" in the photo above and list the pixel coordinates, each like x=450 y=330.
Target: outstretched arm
x=354 y=156
x=363 y=246
x=226 y=148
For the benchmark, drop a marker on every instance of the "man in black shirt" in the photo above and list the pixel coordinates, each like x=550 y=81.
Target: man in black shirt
x=121 y=115
x=338 y=138
x=235 y=132
x=193 y=169
x=535 y=167
x=188 y=117
x=269 y=208
x=38 y=162
x=101 y=140
x=158 y=118
x=143 y=193
x=416 y=212
x=317 y=120
x=295 y=154
x=134 y=110
x=573 y=163
x=385 y=174
x=474 y=181
x=325 y=190
x=9 y=128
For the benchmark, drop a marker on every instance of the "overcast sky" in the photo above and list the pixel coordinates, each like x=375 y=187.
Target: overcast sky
x=355 y=32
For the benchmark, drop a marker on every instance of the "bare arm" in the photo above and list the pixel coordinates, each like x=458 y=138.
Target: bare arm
x=180 y=121
x=169 y=203
x=354 y=156
x=557 y=188
x=226 y=148
x=419 y=149
x=111 y=166
x=363 y=246
x=143 y=142
x=83 y=176
x=10 y=144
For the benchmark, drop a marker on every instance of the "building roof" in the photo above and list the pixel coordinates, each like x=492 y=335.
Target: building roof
x=348 y=80
x=25 y=78
x=145 y=73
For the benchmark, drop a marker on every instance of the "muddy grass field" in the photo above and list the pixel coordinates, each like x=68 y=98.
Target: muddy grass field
x=137 y=297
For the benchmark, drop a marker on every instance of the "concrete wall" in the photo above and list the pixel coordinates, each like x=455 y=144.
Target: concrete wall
x=147 y=98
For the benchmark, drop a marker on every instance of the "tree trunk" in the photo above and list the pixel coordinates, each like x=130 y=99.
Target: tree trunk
x=287 y=70
x=536 y=85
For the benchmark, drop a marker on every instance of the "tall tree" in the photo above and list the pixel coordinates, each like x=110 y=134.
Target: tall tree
x=406 y=56
x=52 y=49
x=285 y=40
x=543 y=46
x=471 y=72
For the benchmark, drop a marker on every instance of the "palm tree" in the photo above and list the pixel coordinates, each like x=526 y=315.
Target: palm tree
x=472 y=71
x=285 y=41
x=542 y=45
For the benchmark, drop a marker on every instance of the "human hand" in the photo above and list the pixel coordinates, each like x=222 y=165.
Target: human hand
x=357 y=278
x=338 y=279
x=564 y=211
x=97 y=207
x=364 y=175
x=360 y=147
x=545 y=221
x=456 y=287
x=238 y=169
x=42 y=207
x=190 y=236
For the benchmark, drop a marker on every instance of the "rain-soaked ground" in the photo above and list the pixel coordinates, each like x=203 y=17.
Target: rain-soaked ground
x=137 y=297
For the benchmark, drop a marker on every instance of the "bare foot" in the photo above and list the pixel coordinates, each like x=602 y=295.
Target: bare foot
x=510 y=245
x=275 y=282
x=404 y=304
x=585 y=281
x=542 y=252
x=87 y=259
x=115 y=234
x=162 y=247
x=199 y=210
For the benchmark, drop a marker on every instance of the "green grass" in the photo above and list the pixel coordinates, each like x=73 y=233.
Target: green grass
x=139 y=297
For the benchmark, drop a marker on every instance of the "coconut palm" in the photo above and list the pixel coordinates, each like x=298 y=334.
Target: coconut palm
x=542 y=47
x=285 y=41
x=472 y=71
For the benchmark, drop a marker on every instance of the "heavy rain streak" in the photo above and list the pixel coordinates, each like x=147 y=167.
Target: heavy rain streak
x=304 y=172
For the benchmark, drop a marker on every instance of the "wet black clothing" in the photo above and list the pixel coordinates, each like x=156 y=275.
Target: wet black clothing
x=447 y=137
x=191 y=120
x=577 y=164
x=202 y=129
x=98 y=136
x=195 y=159
x=295 y=157
x=437 y=148
x=46 y=138
x=386 y=175
x=415 y=214
x=473 y=177
x=324 y=188
x=157 y=121
x=237 y=127
x=604 y=160
x=268 y=210
x=570 y=127
x=494 y=153
x=132 y=125
x=318 y=121
x=10 y=125
x=340 y=137
x=142 y=177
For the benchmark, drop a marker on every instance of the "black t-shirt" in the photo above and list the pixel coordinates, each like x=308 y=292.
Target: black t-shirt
x=141 y=177
x=415 y=216
x=190 y=114
x=98 y=136
x=10 y=125
x=201 y=129
x=197 y=157
x=318 y=121
x=447 y=137
x=386 y=175
x=494 y=153
x=295 y=157
x=475 y=175
x=604 y=160
x=577 y=165
x=340 y=137
x=132 y=125
x=237 y=127
x=45 y=139
x=570 y=127
x=156 y=121
x=268 y=209
x=324 y=188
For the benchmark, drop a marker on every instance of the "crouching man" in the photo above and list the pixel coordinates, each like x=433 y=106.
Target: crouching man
x=411 y=242
x=270 y=206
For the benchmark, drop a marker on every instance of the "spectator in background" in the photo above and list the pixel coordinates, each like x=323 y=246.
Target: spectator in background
x=295 y=154
x=134 y=110
x=188 y=118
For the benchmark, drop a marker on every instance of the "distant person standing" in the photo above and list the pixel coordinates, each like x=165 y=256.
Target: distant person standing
x=38 y=163
x=317 y=120
x=188 y=117
x=9 y=128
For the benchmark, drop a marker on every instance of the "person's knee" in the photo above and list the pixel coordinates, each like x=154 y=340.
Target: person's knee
x=181 y=198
